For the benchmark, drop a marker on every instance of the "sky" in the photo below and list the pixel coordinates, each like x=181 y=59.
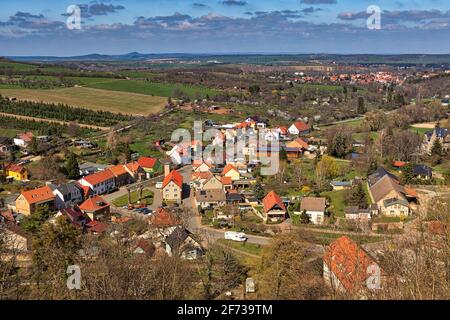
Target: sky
x=39 y=27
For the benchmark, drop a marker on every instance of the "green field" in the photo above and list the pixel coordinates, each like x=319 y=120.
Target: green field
x=151 y=88
x=147 y=198
x=95 y=99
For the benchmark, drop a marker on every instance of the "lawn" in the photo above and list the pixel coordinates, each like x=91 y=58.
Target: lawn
x=337 y=201
x=147 y=197
x=10 y=133
x=251 y=248
x=420 y=131
x=95 y=99
x=324 y=238
x=384 y=219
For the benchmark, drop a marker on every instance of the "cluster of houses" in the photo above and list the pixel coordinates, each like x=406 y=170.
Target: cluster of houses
x=215 y=187
x=82 y=204
x=292 y=139
x=92 y=185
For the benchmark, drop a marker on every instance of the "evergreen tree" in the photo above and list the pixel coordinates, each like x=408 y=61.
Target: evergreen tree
x=283 y=154
x=259 y=190
x=304 y=218
x=361 y=106
x=436 y=152
x=407 y=174
x=72 y=168
x=357 y=196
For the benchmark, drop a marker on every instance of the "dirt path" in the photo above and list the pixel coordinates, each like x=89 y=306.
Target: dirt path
x=17 y=116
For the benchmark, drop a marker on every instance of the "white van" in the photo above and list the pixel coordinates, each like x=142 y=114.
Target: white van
x=159 y=185
x=235 y=236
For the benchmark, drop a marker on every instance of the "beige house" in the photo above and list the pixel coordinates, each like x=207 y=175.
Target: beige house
x=172 y=188
x=212 y=183
x=30 y=200
x=395 y=208
x=391 y=197
x=232 y=172
x=201 y=166
x=210 y=198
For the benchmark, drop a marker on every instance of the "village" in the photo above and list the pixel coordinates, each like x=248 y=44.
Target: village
x=189 y=204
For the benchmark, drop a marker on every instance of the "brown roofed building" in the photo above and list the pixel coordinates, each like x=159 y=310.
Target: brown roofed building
x=210 y=198
x=314 y=208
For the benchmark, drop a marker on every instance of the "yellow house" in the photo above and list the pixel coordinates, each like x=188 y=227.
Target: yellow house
x=30 y=200
x=17 y=172
x=232 y=172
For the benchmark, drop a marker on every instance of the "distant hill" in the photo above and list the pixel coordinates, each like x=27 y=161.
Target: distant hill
x=402 y=59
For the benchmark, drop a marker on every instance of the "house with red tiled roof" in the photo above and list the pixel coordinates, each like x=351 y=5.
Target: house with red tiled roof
x=399 y=164
x=96 y=208
x=201 y=166
x=273 y=207
x=282 y=130
x=121 y=175
x=162 y=219
x=151 y=166
x=24 y=139
x=86 y=191
x=101 y=182
x=30 y=200
x=96 y=227
x=299 y=127
x=135 y=170
x=16 y=172
x=232 y=172
x=296 y=147
x=172 y=187
x=227 y=183
x=347 y=267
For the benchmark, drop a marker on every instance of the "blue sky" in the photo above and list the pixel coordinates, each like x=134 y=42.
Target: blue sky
x=34 y=27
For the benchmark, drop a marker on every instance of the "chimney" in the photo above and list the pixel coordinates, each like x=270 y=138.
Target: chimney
x=166 y=170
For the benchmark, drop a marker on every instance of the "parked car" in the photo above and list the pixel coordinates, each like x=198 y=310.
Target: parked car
x=235 y=236
x=159 y=185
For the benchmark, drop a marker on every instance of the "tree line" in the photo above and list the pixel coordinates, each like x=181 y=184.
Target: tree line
x=42 y=127
x=62 y=112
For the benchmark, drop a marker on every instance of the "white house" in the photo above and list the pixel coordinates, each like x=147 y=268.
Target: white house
x=175 y=155
x=299 y=127
x=101 y=182
x=315 y=208
x=67 y=195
